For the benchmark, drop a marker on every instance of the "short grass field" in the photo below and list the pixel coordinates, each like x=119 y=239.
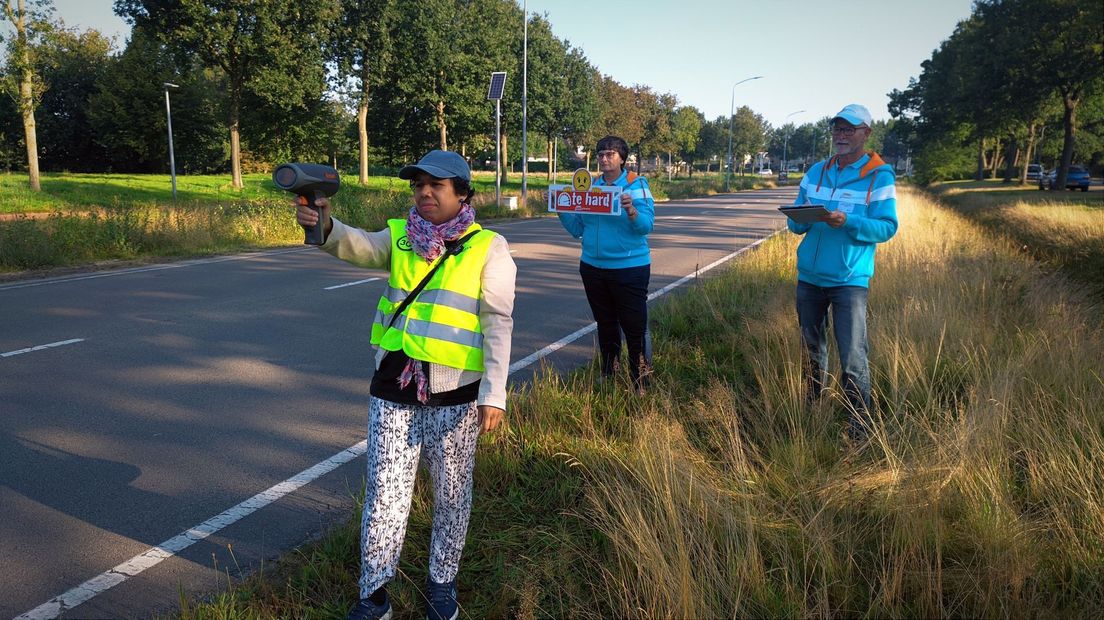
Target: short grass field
x=83 y=219
x=720 y=494
x=73 y=191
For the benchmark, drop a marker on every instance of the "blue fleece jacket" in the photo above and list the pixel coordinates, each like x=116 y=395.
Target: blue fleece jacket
x=615 y=241
x=866 y=192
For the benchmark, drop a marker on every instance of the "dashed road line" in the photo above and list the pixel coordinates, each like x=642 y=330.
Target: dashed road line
x=123 y=272
x=330 y=288
x=40 y=347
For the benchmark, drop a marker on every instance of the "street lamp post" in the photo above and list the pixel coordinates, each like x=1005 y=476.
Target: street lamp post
x=525 y=104
x=172 y=157
x=731 y=112
x=786 y=142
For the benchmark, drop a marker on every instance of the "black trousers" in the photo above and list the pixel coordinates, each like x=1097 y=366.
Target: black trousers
x=619 y=300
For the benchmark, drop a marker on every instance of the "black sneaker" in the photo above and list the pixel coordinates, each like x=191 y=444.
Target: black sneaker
x=375 y=607
x=441 y=601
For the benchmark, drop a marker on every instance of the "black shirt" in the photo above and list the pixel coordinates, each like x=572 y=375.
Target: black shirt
x=385 y=385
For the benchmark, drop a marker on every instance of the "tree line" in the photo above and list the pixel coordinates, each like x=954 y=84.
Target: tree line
x=364 y=83
x=1018 y=81
x=352 y=82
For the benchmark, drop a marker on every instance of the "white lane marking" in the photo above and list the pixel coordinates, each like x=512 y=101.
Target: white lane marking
x=550 y=349
x=123 y=272
x=683 y=280
x=566 y=340
x=330 y=288
x=155 y=555
x=41 y=347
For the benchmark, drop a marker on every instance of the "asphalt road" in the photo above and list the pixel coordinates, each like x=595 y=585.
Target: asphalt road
x=156 y=422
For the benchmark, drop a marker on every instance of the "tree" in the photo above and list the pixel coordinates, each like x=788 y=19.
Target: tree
x=11 y=133
x=31 y=24
x=807 y=142
x=547 y=82
x=127 y=111
x=749 y=134
x=995 y=79
x=712 y=140
x=272 y=50
x=433 y=90
x=659 y=111
x=577 y=112
x=71 y=63
x=619 y=114
x=686 y=129
x=360 y=50
x=1066 y=38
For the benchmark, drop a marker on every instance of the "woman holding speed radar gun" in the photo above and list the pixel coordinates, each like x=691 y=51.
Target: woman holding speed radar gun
x=616 y=264
x=442 y=330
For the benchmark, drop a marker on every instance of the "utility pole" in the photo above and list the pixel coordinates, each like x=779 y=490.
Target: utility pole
x=731 y=112
x=172 y=157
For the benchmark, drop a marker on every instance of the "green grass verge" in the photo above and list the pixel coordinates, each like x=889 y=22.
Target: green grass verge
x=1062 y=229
x=81 y=219
x=719 y=494
x=69 y=192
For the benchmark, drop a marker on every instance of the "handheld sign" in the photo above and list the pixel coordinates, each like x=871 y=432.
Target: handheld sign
x=581 y=197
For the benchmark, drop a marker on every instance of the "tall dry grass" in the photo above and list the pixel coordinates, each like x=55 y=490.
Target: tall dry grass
x=980 y=494
x=719 y=495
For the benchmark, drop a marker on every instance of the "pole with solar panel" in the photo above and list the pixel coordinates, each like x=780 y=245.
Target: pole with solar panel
x=494 y=93
x=524 y=104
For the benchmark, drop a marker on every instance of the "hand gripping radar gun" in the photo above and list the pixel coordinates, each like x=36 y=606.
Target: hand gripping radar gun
x=311 y=181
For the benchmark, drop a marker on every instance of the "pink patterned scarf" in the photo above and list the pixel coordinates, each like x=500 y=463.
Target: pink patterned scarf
x=428 y=241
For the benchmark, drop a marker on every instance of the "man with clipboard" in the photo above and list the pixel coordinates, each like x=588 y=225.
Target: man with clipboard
x=845 y=206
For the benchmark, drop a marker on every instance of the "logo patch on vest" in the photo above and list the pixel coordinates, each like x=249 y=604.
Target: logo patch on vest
x=404 y=244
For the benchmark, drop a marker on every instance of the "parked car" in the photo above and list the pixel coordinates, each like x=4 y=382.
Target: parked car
x=1077 y=177
x=1034 y=171
x=766 y=172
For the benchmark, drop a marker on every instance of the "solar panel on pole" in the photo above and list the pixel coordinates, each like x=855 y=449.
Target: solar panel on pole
x=498 y=84
x=494 y=92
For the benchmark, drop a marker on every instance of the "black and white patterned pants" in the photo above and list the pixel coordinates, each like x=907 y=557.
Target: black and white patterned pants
x=445 y=439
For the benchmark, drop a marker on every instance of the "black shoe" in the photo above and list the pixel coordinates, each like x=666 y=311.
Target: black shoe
x=376 y=607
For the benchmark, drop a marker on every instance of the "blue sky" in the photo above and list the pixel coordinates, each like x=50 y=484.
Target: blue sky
x=814 y=55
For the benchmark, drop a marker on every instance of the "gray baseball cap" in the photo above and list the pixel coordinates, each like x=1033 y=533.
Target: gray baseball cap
x=438 y=163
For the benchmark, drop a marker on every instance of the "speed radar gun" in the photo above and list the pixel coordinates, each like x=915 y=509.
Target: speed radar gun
x=311 y=181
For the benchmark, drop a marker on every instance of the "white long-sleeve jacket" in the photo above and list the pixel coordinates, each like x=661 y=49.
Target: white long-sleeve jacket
x=496 y=305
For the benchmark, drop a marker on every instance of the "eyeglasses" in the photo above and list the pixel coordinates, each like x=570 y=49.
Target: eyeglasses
x=607 y=154
x=845 y=131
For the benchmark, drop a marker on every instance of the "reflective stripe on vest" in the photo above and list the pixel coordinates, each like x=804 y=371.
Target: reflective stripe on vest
x=442 y=325
x=439 y=297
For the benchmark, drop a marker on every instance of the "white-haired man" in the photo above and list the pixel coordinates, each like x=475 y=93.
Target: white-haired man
x=835 y=260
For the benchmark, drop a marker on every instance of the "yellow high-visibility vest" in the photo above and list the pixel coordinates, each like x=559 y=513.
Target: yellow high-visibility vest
x=441 y=326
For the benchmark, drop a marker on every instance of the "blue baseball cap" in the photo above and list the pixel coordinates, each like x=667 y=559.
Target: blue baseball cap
x=855 y=114
x=440 y=164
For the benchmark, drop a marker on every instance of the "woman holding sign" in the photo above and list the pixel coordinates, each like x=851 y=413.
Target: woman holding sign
x=616 y=263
